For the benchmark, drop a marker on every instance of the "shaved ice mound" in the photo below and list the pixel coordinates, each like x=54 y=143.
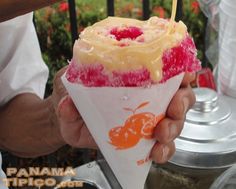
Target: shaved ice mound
x=122 y=52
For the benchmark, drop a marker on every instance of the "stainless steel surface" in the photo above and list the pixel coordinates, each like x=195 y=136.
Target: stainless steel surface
x=208 y=140
x=109 y=174
x=90 y=173
x=227 y=180
x=209 y=109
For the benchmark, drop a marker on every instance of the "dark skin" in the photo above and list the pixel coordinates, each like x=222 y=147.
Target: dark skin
x=164 y=133
x=12 y=8
x=53 y=122
x=31 y=127
x=171 y=126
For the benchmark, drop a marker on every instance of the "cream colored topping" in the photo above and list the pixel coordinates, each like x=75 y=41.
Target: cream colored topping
x=97 y=45
x=173 y=14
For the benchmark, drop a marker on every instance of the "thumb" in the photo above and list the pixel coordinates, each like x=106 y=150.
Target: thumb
x=70 y=121
x=72 y=126
x=67 y=111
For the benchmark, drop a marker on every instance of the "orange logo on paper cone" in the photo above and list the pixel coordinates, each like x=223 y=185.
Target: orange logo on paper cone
x=136 y=127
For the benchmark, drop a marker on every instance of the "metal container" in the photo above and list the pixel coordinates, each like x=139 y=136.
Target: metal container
x=93 y=175
x=208 y=140
x=206 y=146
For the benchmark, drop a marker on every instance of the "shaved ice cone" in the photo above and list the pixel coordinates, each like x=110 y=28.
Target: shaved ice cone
x=106 y=108
x=122 y=77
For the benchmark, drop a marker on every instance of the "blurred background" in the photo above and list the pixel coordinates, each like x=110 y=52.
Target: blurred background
x=54 y=29
x=53 y=26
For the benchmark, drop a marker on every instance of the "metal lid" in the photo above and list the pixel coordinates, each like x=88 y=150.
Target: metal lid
x=208 y=139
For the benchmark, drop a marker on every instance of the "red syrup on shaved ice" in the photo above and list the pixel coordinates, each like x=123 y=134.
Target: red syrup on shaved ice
x=93 y=64
x=122 y=77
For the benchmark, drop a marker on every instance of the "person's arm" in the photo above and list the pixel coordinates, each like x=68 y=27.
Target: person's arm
x=29 y=126
x=12 y=8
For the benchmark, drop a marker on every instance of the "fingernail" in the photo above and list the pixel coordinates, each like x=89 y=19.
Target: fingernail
x=193 y=76
x=66 y=110
x=172 y=131
x=165 y=153
x=62 y=103
x=185 y=104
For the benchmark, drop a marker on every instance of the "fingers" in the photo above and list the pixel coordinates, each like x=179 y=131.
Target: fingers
x=171 y=126
x=59 y=90
x=67 y=111
x=182 y=101
x=69 y=120
x=188 y=78
x=72 y=126
x=86 y=140
x=161 y=153
x=167 y=130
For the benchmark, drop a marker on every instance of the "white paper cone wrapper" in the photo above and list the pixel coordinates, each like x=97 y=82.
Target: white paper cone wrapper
x=104 y=108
